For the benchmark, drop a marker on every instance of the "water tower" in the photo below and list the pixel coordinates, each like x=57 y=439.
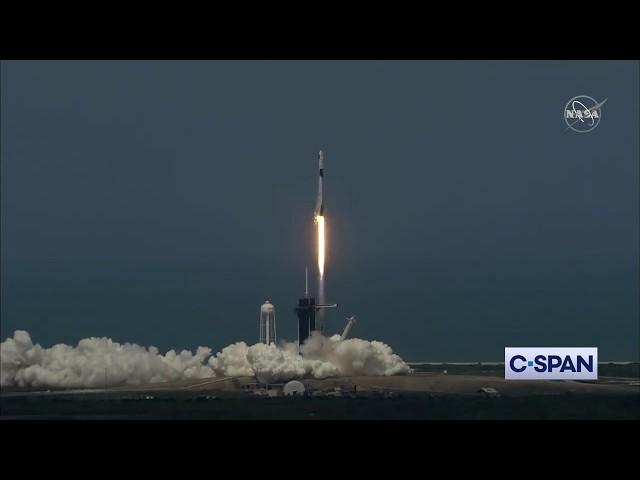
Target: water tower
x=267 y=324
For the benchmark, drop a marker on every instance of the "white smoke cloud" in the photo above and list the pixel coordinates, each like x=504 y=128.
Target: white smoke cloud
x=93 y=363
x=353 y=356
x=25 y=364
x=321 y=357
x=232 y=361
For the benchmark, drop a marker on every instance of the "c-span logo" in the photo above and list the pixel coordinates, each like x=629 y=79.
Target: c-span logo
x=551 y=363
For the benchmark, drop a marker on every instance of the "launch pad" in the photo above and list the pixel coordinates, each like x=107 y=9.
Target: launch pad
x=414 y=396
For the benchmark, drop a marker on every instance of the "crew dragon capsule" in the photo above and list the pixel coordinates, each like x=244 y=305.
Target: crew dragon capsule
x=319 y=212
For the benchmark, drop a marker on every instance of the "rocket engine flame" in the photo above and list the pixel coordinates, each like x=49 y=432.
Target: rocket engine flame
x=319 y=219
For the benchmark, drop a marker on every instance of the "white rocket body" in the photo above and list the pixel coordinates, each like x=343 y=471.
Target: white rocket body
x=319 y=201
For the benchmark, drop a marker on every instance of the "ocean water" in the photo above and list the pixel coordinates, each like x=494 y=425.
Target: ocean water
x=430 y=310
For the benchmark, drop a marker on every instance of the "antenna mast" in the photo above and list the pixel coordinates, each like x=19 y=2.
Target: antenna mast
x=306 y=282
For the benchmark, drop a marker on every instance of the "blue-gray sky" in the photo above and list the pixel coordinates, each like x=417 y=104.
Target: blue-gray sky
x=162 y=202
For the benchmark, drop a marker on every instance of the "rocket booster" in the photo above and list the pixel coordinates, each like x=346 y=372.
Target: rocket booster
x=319 y=201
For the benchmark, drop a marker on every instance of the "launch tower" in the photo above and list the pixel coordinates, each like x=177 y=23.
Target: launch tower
x=306 y=311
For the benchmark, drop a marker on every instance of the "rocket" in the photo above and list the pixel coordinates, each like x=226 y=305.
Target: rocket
x=320 y=202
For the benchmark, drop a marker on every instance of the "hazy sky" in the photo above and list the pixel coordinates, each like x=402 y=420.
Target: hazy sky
x=215 y=163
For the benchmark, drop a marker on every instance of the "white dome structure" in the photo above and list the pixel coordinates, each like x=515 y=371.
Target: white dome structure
x=294 y=388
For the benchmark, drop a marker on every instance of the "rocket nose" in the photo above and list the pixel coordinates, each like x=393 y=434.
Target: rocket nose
x=320 y=158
